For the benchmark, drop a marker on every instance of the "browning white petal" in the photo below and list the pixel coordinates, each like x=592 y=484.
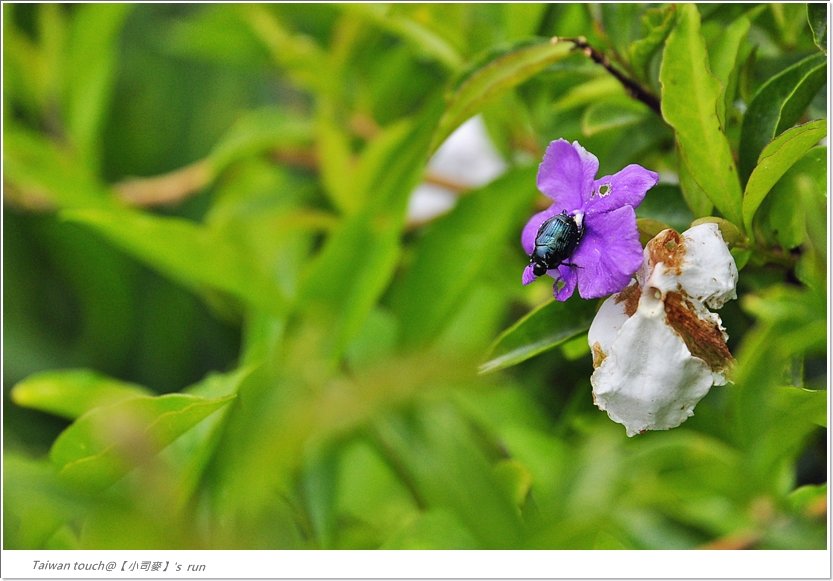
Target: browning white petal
x=657 y=349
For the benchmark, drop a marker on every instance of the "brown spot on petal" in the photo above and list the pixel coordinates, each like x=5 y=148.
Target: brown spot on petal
x=666 y=247
x=703 y=338
x=630 y=298
x=598 y=355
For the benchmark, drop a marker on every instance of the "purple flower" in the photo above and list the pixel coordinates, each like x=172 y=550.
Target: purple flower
x=609 y=252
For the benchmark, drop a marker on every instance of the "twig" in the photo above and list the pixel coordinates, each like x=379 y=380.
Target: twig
x=165 y=189
x=633 y=88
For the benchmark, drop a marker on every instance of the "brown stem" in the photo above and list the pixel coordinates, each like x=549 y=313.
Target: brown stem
x=165 y=189
x=633 y=88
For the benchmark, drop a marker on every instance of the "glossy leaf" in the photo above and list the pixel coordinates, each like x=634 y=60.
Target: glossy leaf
x=778 y=157
x=777 y=105
x=201 y=257
x=71 y=393
x=454 y=253
x=493 y=75
x=91 y=454
x=544 y=328
x=690 y=96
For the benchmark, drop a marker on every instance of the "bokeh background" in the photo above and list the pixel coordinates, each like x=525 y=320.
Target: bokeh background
x=254 y=298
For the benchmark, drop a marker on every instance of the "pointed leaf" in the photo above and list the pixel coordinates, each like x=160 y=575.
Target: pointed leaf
x=777 y=105
x=493 y=75
x=106 y=443
x=544 y=328
x=778 y=157
x=690 y=96
x=71 y=393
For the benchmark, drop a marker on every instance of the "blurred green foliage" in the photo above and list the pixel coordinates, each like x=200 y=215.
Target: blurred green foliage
x=223 y=329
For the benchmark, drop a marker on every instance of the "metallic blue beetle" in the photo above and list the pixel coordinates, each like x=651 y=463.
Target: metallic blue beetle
x=556 y=241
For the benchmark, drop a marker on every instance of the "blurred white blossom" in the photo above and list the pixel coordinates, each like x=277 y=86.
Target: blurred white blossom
x=657 y=348
x=467 y=158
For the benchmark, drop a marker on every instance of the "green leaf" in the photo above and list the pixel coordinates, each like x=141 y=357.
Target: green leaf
x=724 y=55
x=71 y=393
x=335 y=157
x=784 y=210
x=690 y=97
x=811 y=404
x=424 y=40
x=187 y=252
x=777 y=105
x=610 y=114
x=658 y=21
x=306 y=63
x=43 y=174
x=451 y=256
x=349 y=274
x=542 y=329
x=496 y=73
x=106 y=443
x=440 y=457
x=665 y=203
x=256 y=131
x=769 y=421
x=319 y=489
x=192 y=452
x=778 y=157
x=432 y=530
x=36 y=505
x=588 y=92
x=817 y=17
x=695 y=197
x=91 y=65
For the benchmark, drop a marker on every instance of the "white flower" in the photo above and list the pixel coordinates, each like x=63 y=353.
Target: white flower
x=467 y=158
x=657 y=349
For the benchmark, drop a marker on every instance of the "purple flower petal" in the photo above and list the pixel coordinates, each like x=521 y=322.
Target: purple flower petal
x=624 y=188
x=528 y=275
x=565 y=282
x=531 y=228
x=566 y=174
x=609 y=253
